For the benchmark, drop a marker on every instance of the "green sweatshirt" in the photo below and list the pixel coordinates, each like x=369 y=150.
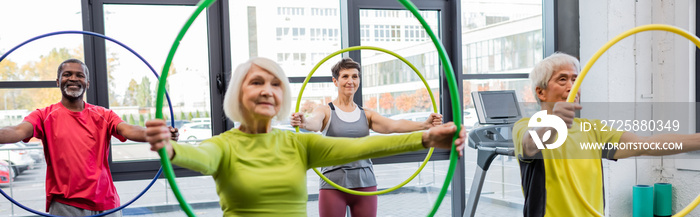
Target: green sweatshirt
x=265 y=174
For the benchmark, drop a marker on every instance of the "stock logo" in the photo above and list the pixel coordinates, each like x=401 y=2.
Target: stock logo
x=542 y=119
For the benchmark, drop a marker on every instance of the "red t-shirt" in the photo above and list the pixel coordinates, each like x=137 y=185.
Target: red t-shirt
x=76 y=146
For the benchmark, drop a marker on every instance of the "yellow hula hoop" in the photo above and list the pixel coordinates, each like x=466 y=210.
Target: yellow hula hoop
x=589 y=64
x=430 y=153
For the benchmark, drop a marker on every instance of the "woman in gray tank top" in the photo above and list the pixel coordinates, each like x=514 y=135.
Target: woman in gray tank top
x=343 y=118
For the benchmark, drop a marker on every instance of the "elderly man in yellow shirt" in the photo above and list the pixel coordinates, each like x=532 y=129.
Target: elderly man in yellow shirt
x=552 y=179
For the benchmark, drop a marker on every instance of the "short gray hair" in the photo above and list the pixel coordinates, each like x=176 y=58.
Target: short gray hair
x=544 y=70
x=85 y=68
x=232 y=99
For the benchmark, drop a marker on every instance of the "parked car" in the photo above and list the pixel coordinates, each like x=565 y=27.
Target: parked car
x=201 y=120
x=178 y=123
x=34 y=150
x=16 y=156
x=6 y=174
x=195 y=131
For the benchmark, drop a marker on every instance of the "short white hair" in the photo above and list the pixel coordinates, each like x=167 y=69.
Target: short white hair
x=544 y=70
x=232 y=101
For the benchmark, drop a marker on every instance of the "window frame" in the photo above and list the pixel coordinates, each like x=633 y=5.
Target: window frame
x=219 y=62
x=697 y=69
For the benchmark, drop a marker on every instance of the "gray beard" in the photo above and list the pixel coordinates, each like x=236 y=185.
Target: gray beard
x=75 y=94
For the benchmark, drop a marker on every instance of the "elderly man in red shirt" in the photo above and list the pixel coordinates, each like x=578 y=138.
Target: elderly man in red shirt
x=76 y=137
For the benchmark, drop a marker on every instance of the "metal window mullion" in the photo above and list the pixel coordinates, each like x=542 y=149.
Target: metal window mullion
x=26 y=84
x=219 y=42
x=494 y=76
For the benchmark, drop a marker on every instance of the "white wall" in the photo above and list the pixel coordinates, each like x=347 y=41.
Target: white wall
x=646 y=67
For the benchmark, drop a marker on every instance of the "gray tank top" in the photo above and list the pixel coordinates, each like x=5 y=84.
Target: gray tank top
x=356 y=174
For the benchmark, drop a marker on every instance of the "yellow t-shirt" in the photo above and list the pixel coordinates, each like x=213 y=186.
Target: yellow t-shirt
x=548 y=188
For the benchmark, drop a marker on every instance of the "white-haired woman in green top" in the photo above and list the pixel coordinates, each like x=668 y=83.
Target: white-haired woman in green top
x=261 y=171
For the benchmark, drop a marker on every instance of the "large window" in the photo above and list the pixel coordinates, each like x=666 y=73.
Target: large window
x=38 y=61
x=294 y=39
x=390 y=86
x=501 y=42
x=510 y=54
x=132 y=85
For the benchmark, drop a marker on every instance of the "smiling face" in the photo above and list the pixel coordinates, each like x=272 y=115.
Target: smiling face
x=348 y=81
x=559 y=86
x=261 y=95
x=72 y=81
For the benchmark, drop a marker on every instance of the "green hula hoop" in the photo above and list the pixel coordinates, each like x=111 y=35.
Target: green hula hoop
x=432 y=99
x=454 y=98
x=164 y=160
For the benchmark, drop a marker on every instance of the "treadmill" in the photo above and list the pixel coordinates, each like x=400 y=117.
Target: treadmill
x=497 y=112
